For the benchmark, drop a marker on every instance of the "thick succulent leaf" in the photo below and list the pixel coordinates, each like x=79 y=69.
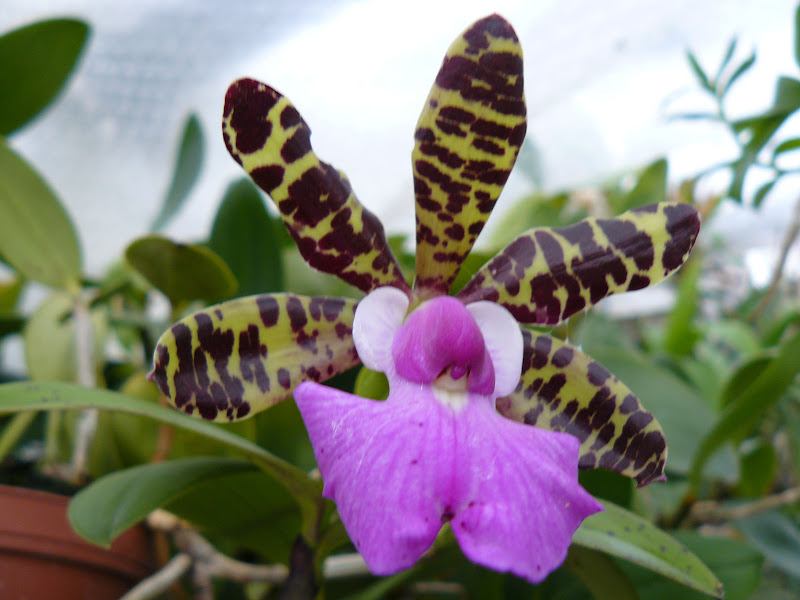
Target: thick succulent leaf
x=562 y=389
x=335 y=234
x=547 y=275
x=237 y=358
x=467 y=140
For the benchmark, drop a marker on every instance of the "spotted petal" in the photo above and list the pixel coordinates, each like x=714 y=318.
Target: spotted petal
x=399 y=469
x=267 y=136
x=547 y=275
x=562 y=389
x=467 y=140
x=234 y=359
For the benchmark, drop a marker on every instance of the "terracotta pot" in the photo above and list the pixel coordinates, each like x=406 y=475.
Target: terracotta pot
x=42 y=558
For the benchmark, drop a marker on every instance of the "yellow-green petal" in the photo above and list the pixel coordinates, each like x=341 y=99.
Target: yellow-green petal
x=562 y=389
x=546 y=275
x=466 y=143
x=335 y=234
x=240 y=357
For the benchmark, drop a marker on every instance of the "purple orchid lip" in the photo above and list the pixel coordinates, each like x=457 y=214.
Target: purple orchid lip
x=440 y=335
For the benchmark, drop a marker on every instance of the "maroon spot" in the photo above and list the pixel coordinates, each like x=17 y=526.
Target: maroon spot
x=475 y=228
x=296 y=312
x=430 y=172
x=454 y=113
x=332 y=308
x=490 y=129
x=268 y=177
x=633 y=243
x=597 y=374
x=552 y=387
x=290 y=117
x=425 y=134
x=562 y=357
x=683 y=225
x=284 y=378
x=342 y=331
x=455 y=232
x=248 y=102
x=445 y=156
x=488 y=146
x=638 y=282
x=629 y=404
x=268 y=309
x=297 y=146
x=252 y=355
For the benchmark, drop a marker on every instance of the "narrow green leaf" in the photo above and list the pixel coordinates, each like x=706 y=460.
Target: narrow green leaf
x=35 y=62
x=181 y=271
x=187 y=169
x=744 y=375
x=761 y=193
x=758 y=467
x=103 y=510
x=725 y=60
x=743 y=67
x=753 y=401
x=242 y=236
x=13 y=431
x=787 y=146
x=777 y=536
x=680 y=332
x=701 y=76
x=9 y=294
x=737 y=565
x=26 y=396
x=797 y=36
x=37 y=236
x=600 y=574
x=621 y=533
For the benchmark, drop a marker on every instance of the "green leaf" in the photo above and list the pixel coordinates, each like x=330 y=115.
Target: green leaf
x=112 y=504
x=725 y=60
x=743 y=412
x=371 y=384
x=736 y=563
x=600 y=574
x=761 y=192
x=37 y=236
x=9 y=294
x=651 y=187
x=187 y=169
x=701 y=76
x=242 y=236
x=787 y=146
x=680 y=332
x=743 y=67
x=623 y=534
x=181 y=271
x=777 y=536
x=744 y=375
x=797 y=36
x=50 y=339
x=35 y=62
x=758 y=467
x=19 y=397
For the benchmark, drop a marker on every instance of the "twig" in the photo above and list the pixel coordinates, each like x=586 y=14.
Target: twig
x=714 y=512
x=207 y=562
x=161 y=580
x=789 y=239
x=86 y=426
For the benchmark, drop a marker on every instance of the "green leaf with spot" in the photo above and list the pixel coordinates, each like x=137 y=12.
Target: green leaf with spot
x=623 y=534
x=35 y=62
x=242 y=235
x=187 y=169
x=736 y=563
x=37 y=236
x=742 y=413
x=31 y=396
x=181 y=271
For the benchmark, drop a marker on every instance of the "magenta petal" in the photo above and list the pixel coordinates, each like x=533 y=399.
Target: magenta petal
x=398 y=469
x=525 y=501
x=378 y=461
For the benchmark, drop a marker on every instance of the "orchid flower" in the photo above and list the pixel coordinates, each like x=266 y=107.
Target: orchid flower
x=487 y=422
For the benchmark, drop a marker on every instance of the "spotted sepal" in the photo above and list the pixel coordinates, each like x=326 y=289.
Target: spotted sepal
x=335 y=234
x=466 y=142
x=562 y=389
x=547 y=275
x=239 y=357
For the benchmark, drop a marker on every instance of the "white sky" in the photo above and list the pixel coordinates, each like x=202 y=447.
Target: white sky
x=598 y=76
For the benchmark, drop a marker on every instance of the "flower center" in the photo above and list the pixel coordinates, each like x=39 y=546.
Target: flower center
x=440 y=343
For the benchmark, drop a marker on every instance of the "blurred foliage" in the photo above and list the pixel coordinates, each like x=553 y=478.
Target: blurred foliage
x=719 y=371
